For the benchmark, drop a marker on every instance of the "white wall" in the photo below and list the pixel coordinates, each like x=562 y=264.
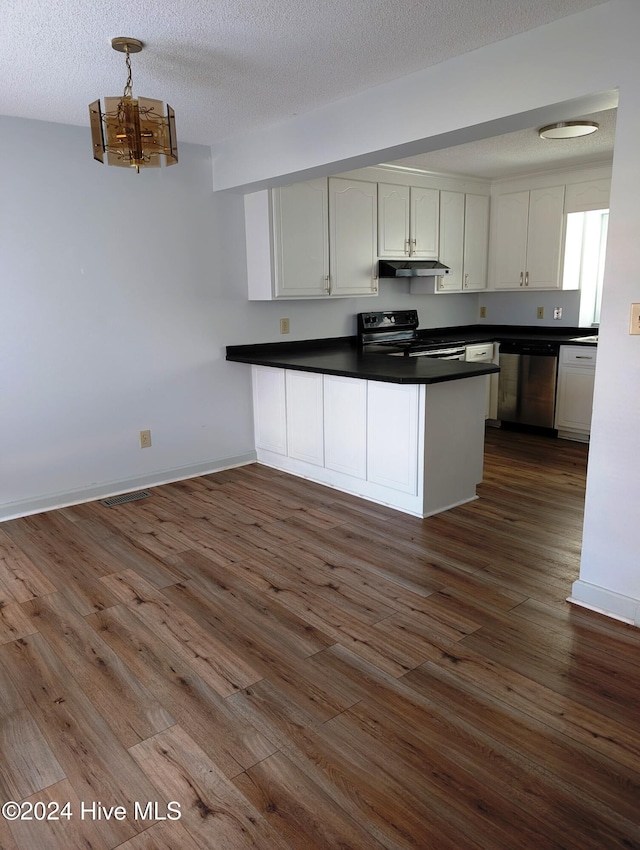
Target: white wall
x=119 y=295
x=555 y=72
x=521 y=308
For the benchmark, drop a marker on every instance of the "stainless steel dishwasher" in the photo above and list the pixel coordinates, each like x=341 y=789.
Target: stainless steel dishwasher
x=527 y=383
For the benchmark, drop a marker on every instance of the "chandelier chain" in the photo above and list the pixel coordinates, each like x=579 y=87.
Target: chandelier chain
x=128 y=86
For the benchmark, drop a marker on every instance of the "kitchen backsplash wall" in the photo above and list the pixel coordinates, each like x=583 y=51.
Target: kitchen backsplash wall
x=521 y=308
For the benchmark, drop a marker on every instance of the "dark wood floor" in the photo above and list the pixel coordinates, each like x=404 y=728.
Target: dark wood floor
x=301 y=669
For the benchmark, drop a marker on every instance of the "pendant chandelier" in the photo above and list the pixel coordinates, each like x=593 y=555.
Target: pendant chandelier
x=133 y=132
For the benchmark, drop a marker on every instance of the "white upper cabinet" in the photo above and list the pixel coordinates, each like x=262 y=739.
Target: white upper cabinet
x=393 y=221
x=424 y=223
x=353 y=218
x=451 y=240
x=527 y=239
x=463 y=244
x=587 y=196
x=407 y=222
x=313 y=239
x=301 y=239
x=476 y=242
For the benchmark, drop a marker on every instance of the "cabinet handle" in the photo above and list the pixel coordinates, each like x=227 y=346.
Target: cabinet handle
x=327 y=284
x=526 y=278
x=466 y=281
x=584 y=357
x=521 y=278
x=414 y=246
x=374 y=284
x=407 y=246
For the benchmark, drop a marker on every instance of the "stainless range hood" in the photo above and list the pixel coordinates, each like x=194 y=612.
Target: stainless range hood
x=412 y=268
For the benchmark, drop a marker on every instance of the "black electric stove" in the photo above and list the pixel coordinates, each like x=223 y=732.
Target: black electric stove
x=396 y=332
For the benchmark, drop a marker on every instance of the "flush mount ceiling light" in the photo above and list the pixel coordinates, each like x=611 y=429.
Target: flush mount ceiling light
x=568 y=129
x=133 y=132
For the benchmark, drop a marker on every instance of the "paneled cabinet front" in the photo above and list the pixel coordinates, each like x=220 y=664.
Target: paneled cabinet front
x=313 y=239
x=408 y=219
x=574 y=397
x=527 y=239
x=301 y=239
x=463 y=244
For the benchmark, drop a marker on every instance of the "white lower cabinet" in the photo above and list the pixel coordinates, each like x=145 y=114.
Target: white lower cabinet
x=484 y=352
x=304 y=414
x=392 y=438
x=270 y=409
x=574 y=397
x=413 y=447
x=345 y=425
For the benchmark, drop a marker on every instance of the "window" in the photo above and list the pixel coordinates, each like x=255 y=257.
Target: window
x=585 y=249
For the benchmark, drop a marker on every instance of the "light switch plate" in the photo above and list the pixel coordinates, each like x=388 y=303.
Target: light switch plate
x=634 y=323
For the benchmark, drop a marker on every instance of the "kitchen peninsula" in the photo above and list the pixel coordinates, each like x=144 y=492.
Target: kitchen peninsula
x=407 y=432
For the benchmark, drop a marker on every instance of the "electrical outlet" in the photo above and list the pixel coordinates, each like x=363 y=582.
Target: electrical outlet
x=557 y=312
x=541 y=312
x=284 y=326
x=483 y=312
x=634 y=324
x=145 y=439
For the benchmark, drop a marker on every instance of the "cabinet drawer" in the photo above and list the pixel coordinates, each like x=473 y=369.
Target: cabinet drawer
x=578 y=355
x=482 y=352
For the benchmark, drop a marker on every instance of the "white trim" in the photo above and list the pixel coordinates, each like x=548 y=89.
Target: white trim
x=53 y=501
x=604 y=601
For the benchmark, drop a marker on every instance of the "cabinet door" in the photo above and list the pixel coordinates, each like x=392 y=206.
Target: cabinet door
x=451 y=240
x=345 y=425
x=544 y=241
x=353 y=236
x=393 y=221
x=574 y=399
x=301 y=239
x=269 y=409
x=424 y=220
x=392 y=440
x=304 y=416
x=476 y=242
x=510 y=243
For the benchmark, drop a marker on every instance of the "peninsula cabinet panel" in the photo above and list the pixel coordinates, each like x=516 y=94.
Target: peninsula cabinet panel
x=392 y=439
x=304 y=403
x=269 y=409
x=345 y=425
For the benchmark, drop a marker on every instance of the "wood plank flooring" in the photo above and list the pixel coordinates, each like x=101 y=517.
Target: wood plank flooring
x=290 y=667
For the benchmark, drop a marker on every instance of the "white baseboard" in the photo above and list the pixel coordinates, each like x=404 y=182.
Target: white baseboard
x=604 y=601
x=52 y=501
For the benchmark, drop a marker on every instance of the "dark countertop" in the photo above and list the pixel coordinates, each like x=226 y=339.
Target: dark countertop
x=342 y=356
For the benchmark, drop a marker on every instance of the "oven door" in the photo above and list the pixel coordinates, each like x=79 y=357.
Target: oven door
x=456 y=353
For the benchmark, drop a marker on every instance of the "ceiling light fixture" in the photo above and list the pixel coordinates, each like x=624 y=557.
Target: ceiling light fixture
x=133 y=132
x=568 y=129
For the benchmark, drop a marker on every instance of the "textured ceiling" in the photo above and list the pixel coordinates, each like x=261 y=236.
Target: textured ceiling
x=524 y=151
x=235 y=65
